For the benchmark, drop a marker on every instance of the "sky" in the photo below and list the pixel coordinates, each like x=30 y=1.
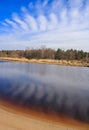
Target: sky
x=52 y=23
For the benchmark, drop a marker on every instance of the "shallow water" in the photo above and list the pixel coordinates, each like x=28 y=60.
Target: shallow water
x=59 y=89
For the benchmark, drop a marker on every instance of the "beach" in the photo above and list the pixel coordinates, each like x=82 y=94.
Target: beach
x=17 y=118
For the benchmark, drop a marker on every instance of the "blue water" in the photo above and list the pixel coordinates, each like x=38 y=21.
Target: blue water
x=59 y=89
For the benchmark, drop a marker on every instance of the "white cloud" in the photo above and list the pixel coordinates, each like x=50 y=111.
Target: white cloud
x=42 y=22
x=64 y=17
x=4 y=24
x=31 y=5
x=31 y=22
x=54 y=24
x=22 y=24
x=53 y=21
x=75 y=3
x=57 y=5
x=13 y=24
x=45 y=3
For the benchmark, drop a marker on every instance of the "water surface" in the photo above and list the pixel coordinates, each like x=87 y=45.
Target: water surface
x=59 y=89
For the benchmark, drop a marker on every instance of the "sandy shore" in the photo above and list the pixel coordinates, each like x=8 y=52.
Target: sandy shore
x=49 y=61
x=17 y=118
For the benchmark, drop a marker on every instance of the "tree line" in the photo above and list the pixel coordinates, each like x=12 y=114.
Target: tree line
x=47 y=53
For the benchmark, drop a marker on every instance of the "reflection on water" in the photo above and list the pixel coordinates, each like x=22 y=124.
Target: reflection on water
x=48 y=87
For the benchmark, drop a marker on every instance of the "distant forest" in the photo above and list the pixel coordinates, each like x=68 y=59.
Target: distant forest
x=47 y=53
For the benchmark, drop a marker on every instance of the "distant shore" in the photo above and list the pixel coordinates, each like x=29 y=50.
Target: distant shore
x=49 y=61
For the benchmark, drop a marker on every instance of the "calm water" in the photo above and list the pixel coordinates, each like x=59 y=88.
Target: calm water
x=48 y=87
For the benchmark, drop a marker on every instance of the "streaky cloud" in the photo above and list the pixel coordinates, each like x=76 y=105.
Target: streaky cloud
x=47 y=16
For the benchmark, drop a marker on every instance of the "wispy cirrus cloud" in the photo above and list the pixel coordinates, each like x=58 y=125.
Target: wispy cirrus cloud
x=55 y=24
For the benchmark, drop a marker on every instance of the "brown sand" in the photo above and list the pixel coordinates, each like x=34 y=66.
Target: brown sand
x=18 y=118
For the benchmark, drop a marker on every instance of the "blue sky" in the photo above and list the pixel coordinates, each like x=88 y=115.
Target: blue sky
x=54 y=23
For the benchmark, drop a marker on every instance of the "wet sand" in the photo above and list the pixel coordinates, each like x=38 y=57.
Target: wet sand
x=21 y=118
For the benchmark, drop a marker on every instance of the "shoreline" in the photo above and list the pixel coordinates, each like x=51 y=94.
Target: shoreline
x=49 y=61
x=39 y=116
